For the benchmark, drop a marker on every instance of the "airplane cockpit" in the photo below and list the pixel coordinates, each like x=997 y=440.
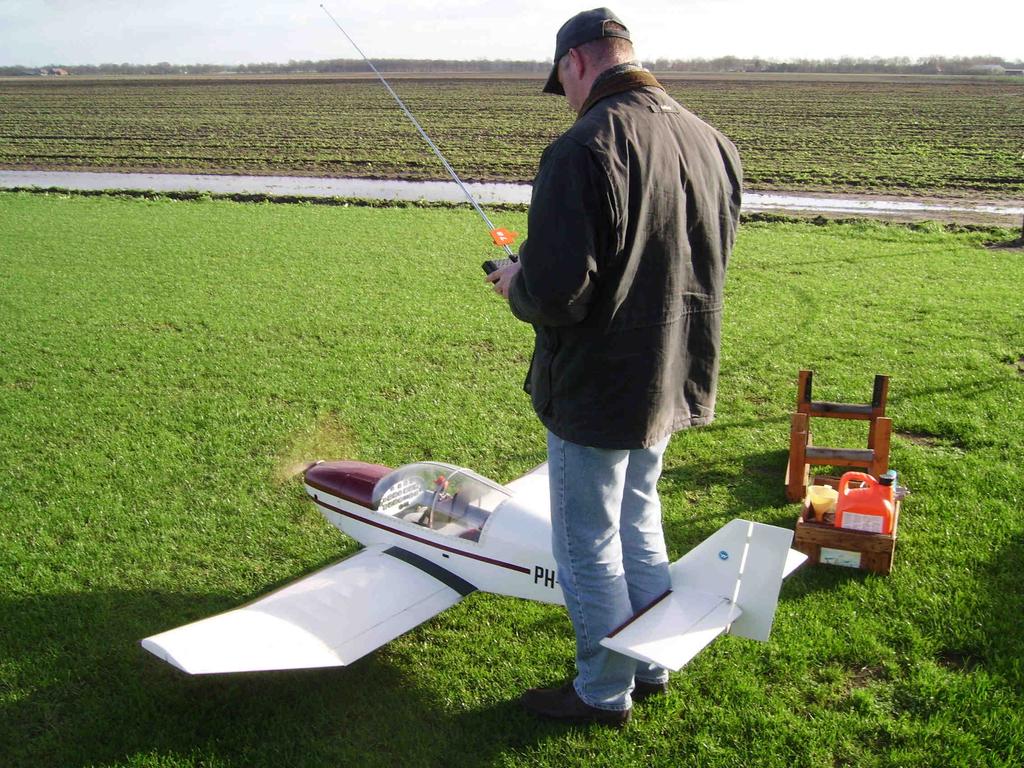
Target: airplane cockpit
x=444 y=498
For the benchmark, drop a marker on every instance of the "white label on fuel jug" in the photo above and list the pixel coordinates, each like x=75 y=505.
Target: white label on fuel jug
x=866 y=523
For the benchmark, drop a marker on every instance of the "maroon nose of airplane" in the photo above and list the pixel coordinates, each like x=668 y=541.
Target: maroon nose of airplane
x=350 y=480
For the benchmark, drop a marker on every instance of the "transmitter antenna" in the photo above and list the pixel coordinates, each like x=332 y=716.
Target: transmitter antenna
x=501 y=237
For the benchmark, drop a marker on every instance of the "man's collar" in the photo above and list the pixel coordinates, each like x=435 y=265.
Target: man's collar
x=618 y=69
x=618 y=79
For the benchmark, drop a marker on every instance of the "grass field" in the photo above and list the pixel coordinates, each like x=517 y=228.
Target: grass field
x=164 y=363
x=948 y=136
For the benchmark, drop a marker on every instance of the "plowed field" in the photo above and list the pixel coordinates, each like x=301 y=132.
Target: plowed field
x=942 y=136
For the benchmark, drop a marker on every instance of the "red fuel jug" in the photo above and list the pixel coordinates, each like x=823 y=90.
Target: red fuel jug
x=869 y=508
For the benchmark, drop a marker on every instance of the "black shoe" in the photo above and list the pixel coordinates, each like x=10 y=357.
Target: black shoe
x=644 y=690
x=563 y=703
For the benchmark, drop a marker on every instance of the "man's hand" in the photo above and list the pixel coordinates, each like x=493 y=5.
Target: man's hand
x=502 y=278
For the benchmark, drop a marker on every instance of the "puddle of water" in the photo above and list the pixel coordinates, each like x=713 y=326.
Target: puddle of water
x=446 y=191
x=763 y=201
x=375 y=189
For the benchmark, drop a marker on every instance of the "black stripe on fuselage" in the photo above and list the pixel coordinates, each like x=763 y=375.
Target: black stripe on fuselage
x=421 y=540
x=447 y=578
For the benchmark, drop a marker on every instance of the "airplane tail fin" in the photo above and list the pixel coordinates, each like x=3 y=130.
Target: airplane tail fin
x=744 y=562
x=728 y=583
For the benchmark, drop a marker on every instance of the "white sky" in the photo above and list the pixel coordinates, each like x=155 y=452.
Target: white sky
x=40 y=32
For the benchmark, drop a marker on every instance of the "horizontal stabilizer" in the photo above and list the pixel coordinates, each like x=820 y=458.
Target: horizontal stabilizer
x=327 y=619
x=675 y=629
x=728 y=583
x=794 y=560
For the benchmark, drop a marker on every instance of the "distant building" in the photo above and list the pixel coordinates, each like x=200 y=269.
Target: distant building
x=1017 y=72
x=55 y=71
x=987 y=69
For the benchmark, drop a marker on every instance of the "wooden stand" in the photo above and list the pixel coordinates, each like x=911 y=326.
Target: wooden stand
x=823 y=543
x=802 y=454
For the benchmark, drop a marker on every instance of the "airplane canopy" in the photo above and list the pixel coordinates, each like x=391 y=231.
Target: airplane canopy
x=448 y=499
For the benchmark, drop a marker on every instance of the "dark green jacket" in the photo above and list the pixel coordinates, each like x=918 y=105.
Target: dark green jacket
x=632 y=219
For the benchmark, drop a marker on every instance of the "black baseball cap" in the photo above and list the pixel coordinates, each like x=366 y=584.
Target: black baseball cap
x=580 y=29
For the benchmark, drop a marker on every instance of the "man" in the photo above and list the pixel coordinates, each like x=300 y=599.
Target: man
x=632 y=219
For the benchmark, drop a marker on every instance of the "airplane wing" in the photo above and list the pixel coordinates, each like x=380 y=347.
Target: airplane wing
x=728 y=583
x=327 y=619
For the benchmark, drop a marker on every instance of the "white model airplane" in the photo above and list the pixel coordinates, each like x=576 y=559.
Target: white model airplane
x=433 y=533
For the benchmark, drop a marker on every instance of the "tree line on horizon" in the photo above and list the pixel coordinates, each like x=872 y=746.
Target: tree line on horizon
x=902 y=65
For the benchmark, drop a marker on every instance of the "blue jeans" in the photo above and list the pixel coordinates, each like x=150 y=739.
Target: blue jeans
x=610 y=551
